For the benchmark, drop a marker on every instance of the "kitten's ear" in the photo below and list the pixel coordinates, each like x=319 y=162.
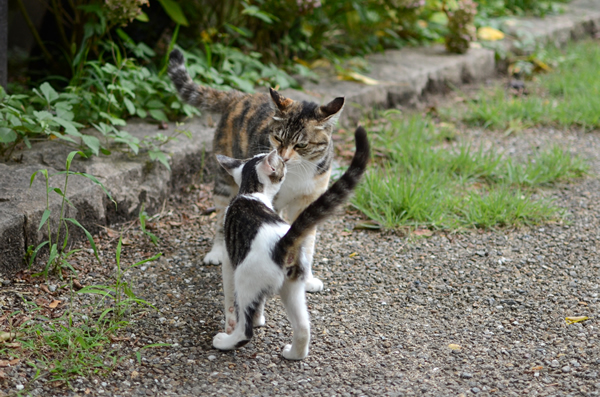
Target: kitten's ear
x=282 y=103
x=330 y=113
x=271 y=163
x=229 y=163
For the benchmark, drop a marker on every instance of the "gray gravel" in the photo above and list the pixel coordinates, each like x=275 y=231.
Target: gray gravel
x=384 y=322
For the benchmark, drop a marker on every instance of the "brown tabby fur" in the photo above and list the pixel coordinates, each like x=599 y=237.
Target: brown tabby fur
x=257 y=123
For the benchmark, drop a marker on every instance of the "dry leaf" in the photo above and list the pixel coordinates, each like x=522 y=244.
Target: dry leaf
x=12 y=344
x=53 y=304
x=489 y=34
x=353 y=76
x=538 y=368
x=6 y=336
x=573 y=320
x=352 y=255
x=134 y=374
x=126 y=241
x=368 y=225
x=173 y=223
x=423 y=232
x=44 y=288
x=77 y=285
x=6 y=363
x=112 y=233
x=454 y=346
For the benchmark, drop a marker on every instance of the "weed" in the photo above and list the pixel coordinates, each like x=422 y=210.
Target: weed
x=422 y=181
x=565 y=99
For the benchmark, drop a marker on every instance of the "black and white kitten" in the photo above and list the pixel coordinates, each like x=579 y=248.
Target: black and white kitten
x=265 y=253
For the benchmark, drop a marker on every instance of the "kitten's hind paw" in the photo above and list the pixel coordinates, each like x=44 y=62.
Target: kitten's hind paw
x=222 y=341
x=289 y=353
x=215 y=256
x=259 y=321
x=314 y=285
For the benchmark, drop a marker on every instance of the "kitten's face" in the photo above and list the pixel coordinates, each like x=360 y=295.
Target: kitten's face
x=264 y=173
x=302 y=130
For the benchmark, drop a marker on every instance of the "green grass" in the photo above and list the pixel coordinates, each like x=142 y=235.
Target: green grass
x=419 y=179
x=569 y=96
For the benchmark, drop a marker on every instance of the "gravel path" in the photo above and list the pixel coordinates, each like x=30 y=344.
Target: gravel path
x=448 y=315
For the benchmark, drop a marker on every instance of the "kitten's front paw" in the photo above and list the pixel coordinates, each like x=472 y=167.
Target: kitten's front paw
x=314 y=285
x=222 y=341
x=290 y=354
x=215 y=256
x=259 y=320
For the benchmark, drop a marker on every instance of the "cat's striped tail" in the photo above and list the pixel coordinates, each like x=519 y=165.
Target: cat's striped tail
x=201 y=96
x=286 y=250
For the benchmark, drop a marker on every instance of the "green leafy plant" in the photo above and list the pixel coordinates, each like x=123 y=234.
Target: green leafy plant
x=58 y=256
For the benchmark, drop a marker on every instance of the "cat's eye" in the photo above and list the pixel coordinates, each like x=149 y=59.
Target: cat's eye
x=301 y=145
x=278 y=139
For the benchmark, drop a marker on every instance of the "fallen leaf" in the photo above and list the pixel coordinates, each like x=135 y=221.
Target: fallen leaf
x=126 y=241
x=489 y=34
x=3 y=375
x=6 y=363
x=112 y=233
x=6 y=336
x=538 y=368
x=11 y=344
x=454 y=346
x=582 y=303
x=77 y=285
x=353 y=76
x=573 y=320
x=134 y=374
x=44 y=288
x=173 y=223
x=423 y=232
x=53 y=304
x=352 y=255
x=374 y=225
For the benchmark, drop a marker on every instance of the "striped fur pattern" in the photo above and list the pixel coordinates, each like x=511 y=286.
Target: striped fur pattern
x=265 y=253
x=252 y=124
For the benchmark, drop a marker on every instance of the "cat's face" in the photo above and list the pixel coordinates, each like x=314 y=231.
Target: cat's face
x=264 y=173
x=302 y=130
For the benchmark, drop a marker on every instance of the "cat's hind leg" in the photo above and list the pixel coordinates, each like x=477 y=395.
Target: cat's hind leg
x=229 y=298
x=253 y=283
x=218 y=252
x=294 y=299
x=259 y=315
x=243 y=330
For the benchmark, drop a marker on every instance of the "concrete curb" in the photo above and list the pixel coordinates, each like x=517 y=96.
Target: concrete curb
x=405 y=78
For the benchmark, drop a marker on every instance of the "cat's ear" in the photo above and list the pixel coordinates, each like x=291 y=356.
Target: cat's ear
x=271 y=163
x=329 y=114
x=282 y=103
x=229 y=163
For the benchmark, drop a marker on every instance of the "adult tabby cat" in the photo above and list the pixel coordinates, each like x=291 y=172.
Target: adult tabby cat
x=264 y=253
x=258 y=123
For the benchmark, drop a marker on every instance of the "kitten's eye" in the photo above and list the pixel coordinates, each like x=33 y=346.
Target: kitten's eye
x=301 y=145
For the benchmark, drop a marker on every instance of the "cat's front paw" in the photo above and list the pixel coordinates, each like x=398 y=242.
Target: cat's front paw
x=215 y=256
x=223 y=341
x=292 y=354
x=314 y=285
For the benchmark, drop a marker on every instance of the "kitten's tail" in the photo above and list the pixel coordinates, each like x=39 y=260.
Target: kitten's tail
x=286 y=249
x=203 y=97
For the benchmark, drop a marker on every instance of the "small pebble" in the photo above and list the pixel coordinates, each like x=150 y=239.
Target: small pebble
x=212 y=357
x=52 y=287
